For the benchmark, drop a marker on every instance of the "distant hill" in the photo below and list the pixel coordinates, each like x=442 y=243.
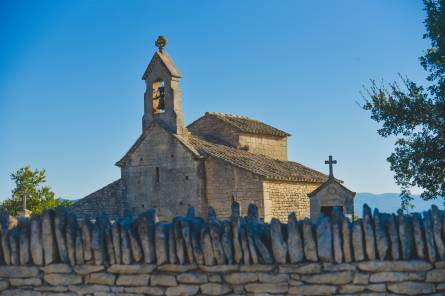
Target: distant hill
x=390 y=202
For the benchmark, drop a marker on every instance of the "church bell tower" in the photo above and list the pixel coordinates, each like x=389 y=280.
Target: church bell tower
x=163 y=98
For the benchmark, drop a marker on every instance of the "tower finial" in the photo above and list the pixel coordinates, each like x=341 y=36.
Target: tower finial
x=161 y=42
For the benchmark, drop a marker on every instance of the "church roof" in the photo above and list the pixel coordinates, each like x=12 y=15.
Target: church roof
x=328 y=182
x=258 y=164
x=166 y=61
x=248 y=125
x=262 y=165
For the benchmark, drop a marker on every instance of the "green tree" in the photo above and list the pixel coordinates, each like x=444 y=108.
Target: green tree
x=29 y=185
x=415 y=114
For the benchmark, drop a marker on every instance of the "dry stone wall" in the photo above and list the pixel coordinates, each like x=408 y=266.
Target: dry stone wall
x=379 y=254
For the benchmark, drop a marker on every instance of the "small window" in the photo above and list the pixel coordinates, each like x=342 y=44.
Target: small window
x=143 y=206
x=157 y=174
x=186 y=177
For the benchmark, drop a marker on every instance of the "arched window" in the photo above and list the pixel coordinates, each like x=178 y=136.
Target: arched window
x=158 y=97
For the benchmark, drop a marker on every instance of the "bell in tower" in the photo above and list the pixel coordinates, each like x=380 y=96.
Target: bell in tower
x=163 y=98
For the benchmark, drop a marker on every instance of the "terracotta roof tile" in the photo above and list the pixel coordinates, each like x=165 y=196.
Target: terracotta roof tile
x=248 y=125
x=259 y=164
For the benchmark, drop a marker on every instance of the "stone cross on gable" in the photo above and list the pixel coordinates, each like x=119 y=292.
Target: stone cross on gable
x=331 y=162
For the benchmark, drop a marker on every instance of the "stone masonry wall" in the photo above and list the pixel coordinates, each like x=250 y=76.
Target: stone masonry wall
x=225 y=181
x=286 y=197
x=379 y=254
x=274 y=147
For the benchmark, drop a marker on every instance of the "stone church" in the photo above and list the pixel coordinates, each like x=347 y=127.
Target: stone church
x=216 y=159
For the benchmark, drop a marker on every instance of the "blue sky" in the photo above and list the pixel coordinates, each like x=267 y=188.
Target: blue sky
x=71 y=94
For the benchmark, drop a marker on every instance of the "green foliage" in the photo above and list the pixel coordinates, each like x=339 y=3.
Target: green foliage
x=29 y=184
x=415 y=114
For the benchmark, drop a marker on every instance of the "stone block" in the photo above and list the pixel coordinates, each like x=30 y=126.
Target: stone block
x=62 y=279
x=412 y=265
x=163 y=280
x=177 y=267
x=56 y=268
x=182 y=290
x=389 y=276
x=376 y=287
x=87 y=269
x=411 y=288
x=145 y=290
x=436 y=276
x=18 y=271
x=259 y=288
x=219 y=268
x=239 y=278
x=304 y=268
x=351 y=289
x=215 y=289
x=360 y=278
x=101 y=278
x=257 y=267
x=313 y=290
x=3 y=285
x=273 y=278
x=335 y=278
x=89 y=289
x=35 y=282
x=192 y=278
x=133 y=280
x=131 y=269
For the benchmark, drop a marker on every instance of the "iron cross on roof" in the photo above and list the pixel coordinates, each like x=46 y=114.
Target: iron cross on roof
x=331 y=162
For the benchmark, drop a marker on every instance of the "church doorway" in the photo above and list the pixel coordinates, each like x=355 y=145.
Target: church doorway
x=327 y=210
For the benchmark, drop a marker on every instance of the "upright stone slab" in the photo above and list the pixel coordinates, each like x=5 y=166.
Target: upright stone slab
x=368 y=231
x=279 y=246
x=125 y=243
x=142 y=227
x=196 y=225
x=393 y=236
x=236 y=239
x=179 y=241
x=48 y=237
x=79 y=247
x=252 y=249
x=206 y=246
x=5 y=245
x=136 y=250
x=115 y=233
x=161 y=242
x=263 y=251
x=381 y=237
x=59 y=231
x=227 y=242
x=309 y=244
x=70 y=235
x=429 y=236
x=36 y=241
x=437 y=231
x=294 y=240
x=405 y=235
x=85 y=227
x=419 y=242
x=24 y=241
x=186 y=236
x=172 y=258
x=346 y=231
x=245 y=244
x=215 y=234
x=357 y=240
x=324 y=239
x=337 y=219
x=14 y=246
x=98 y=244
